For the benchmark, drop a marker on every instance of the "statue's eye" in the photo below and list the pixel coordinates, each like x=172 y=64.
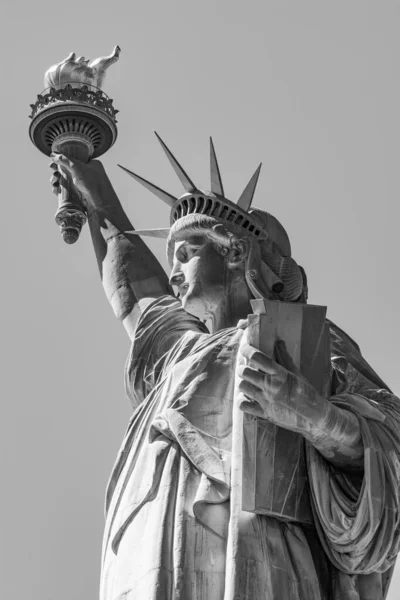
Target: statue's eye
x=191 y=251
x=182 y=254
x=187 y=251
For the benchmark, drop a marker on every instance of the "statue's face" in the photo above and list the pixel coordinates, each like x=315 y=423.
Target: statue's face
x=200 y=275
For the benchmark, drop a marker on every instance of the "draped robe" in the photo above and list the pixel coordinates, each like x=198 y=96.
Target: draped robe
x=174 y=525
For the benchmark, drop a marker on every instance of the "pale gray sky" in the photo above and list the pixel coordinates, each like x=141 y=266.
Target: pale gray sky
x=311 y=89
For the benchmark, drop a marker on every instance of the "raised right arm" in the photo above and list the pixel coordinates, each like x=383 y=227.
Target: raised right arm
x=131 y=275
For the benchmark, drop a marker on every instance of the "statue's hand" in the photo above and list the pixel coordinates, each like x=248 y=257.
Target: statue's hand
x=89 y=179
x=275 y=390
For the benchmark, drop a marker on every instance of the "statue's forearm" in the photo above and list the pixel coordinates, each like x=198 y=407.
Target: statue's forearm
x=129 y=271
x=282 y=395
x=338 y=437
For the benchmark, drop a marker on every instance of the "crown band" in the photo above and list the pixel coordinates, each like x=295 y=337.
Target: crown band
x=217 y=207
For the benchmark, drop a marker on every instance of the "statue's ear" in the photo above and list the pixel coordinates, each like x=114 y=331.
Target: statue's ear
x=238 y=253
x=305 y=285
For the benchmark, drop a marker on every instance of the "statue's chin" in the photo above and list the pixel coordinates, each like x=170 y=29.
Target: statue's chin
x=194 y=306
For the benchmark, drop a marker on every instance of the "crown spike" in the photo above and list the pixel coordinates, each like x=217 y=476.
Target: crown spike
x=184 y=178
x=246 y=198
x=216 y=181
x=164 y=196
x=155 y=233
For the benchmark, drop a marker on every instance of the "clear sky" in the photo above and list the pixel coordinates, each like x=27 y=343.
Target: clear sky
x=311 y=89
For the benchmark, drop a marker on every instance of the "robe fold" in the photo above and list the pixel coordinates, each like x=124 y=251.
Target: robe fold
x=174 y=525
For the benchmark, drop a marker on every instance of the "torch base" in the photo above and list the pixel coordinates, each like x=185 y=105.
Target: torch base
x=70 y=223
x=78 y=111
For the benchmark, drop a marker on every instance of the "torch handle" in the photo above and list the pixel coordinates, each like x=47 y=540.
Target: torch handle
x=71 y=215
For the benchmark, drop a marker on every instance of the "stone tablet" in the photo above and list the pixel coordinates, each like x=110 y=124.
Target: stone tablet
x=274 y=469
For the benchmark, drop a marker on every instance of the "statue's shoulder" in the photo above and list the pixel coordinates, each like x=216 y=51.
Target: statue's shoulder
x=341 y=339
x=345 y=350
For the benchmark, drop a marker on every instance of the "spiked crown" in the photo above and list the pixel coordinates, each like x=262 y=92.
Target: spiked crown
x=195 y=201
x=269 y=268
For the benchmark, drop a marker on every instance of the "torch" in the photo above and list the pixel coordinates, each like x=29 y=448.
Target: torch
x=73 y=116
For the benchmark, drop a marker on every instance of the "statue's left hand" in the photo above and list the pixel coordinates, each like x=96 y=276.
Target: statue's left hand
x=275 y=390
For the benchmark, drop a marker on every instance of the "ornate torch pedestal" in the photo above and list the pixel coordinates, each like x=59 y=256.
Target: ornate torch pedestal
x=73 y=116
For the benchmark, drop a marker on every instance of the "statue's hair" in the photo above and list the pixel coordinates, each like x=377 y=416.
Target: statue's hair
x=196 y=225
x=269 y=260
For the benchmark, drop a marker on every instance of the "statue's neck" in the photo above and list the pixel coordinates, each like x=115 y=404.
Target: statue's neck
x=234 y=307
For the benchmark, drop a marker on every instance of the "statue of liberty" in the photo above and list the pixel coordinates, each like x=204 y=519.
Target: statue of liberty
x=175 y=528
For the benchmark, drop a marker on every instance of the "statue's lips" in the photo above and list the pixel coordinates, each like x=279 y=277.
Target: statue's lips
x=182 y=290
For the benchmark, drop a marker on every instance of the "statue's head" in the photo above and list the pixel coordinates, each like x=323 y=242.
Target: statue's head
x=217 y=248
